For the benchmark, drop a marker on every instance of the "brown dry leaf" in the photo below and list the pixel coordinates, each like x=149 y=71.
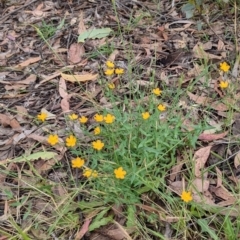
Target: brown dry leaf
x=223 y=193
x=200 y=158
x=21 y=110
x=200 y=185
x=62 y=88
x=199 y=52
x=219 y=177
x=75 y=53
x=237 y=160
x=83 y=229
x=81 y=26
x=27 y=62
x=42 y=166
x=212 y=137
x=219 y=106
x=199 y=99
x=31 y=79
x=175 y=170
x=15 y=87
x=7 y=121
x=65 y=105
x=79 y=78
x=113 y=55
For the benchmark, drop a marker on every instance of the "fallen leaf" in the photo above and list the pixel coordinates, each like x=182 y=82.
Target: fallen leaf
x=219 y=106
x=212 y=137
x=7 y=121
x=79 y=78
x=27 y=62
x=76 y=52
x=65 y=105
x=83 y=229
x=199 y=99
x=200 y=158
x=62 y=88
x=237 y=160
x=94 y=33
x=200 y=185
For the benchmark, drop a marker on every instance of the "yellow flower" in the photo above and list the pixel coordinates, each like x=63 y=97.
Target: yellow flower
x=119 y=71
x=224 y=67
x=83 y=119
x=98 y=117
x=42 y=117
x=110 y=64
x=145 y=115
x=73 y=116
x=109 y=72
x=157 y=91
x=90 y=173
x=77 y=162
x=109 y=118
x=223 y=84
x=98 y=145
x=53 y=139
x=111 y=85
x=71 y=141
x=120 y=173
x=97 y=130
x=186 y=196
x=161 y=107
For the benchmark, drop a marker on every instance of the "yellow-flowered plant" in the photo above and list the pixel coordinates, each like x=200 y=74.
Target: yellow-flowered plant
x=98 y=118
x=111 y=85
x=71 y=141
x=73 y=116
x=42 y=116
x=109 y=72
x=53 y=139
x=186 y=196
x=224 y=67
x=157 y=91
x=161 y=107
x=97 y=130
x=223 y=84
x=98 y=145
x=145 y=115
x=119 y=71
x=83 y=119
x=109 y=118
x=110 y=64
x=77 y=162
x=90 y=173
x=120 y=173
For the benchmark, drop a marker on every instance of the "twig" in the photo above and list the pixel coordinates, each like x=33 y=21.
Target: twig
x=9 y=14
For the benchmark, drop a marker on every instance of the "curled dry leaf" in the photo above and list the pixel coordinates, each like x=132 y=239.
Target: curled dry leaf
x=7 y=121
x=76 y=52
x=199 y=99
x=79 y=78
x=212 y=137
x=200 y=158
x=237 y=160
x=27 y=62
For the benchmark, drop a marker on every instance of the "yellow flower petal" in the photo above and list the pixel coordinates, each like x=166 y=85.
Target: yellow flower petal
x=97 y=130
x=110 y=64
x=109 y=72
x=224 y=67
x=120 y=173
x=109 y=118
x=77 y=162
x=186 y=196
x=157 y=91
x=71 y=141
x=42 y=116
x=161 y=108
x=119 y=71
x=98 y=145
x=53 y=139
x=98 y=118
x=73 y=116
x=90 y=173
x=145 y=115
x=111 y=85
x=83 y=119
x=223 y=84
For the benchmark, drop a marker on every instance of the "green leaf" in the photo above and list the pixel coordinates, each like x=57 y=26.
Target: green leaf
x=31 y=157
x=94 y=33
x=86 y=205
x=102 y=222
x=99 y=220
x=205 y=228
x=188 y=9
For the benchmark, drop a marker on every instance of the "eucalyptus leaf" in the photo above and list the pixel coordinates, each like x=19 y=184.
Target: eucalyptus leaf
x=94 y=33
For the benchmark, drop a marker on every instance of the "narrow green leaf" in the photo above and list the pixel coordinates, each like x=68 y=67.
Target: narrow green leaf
x=94 y=33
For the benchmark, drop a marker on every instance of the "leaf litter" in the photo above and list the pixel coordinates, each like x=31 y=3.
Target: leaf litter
x=33 y=80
